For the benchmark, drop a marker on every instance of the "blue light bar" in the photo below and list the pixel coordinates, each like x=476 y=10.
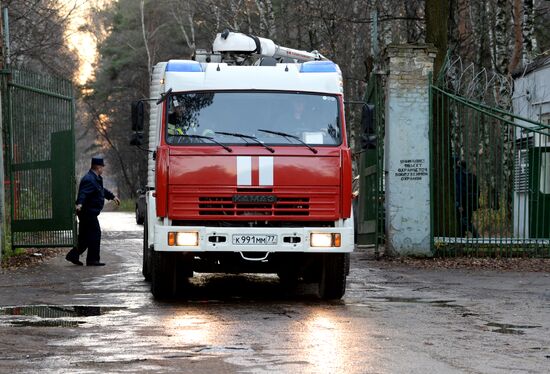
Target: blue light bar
x=318 y=67
x=184 y=66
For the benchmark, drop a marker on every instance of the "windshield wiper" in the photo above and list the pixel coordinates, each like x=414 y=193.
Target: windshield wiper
x=243 y=136
x=207 y=138
x=285 y=135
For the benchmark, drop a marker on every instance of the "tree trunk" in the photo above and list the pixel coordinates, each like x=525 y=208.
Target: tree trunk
x=145 y=39
x=437 y=14
x=530 y=47
x=182 y=14
x=267 y=18
x=502 y=21
x=518 y=36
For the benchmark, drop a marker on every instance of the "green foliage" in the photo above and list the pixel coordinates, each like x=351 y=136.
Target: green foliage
x=490 y=222
x=127 y=205
x=8 y=250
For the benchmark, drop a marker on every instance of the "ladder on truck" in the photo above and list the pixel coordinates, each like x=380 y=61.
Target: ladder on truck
x=235 y=48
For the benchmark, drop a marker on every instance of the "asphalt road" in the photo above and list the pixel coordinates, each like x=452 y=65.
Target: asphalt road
x=59 y=318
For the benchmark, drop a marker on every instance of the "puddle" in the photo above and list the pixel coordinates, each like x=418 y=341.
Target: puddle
x=505 y=328
x=397 y=299
x=222 y=349
x=47 y=323
x=54 y=311
x=53 y=315
x=417 y=300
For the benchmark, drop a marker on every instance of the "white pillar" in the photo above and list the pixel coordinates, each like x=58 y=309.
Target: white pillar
x=407 y=149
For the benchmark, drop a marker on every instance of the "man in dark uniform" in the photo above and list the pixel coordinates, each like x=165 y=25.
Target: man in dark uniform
x=89 y=203
x=466 y=199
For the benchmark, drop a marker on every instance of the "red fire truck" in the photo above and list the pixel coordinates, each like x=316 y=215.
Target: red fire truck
x=249 y=168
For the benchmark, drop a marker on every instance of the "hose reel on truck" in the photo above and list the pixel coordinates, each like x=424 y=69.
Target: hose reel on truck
x=242 y=49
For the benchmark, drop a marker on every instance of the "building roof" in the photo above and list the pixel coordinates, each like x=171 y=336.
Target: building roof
x=542 y=60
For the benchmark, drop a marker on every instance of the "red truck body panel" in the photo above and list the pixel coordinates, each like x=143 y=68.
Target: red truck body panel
x=199 y=182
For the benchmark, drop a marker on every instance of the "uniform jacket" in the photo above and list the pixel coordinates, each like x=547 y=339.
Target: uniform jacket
x=92 y=194
x=467 y=191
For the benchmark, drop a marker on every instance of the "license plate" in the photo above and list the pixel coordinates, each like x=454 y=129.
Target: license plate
x=246 y=239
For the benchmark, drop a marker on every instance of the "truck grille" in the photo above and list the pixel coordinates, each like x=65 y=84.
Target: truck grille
x=217 y=203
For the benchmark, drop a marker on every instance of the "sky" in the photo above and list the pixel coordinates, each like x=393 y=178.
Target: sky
x=82 y=42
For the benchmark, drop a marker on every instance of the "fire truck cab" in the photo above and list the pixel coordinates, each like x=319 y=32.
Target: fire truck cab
x=249 y=167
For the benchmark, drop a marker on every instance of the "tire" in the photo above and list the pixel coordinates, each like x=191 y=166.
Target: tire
x=140 y=219
x=332 y=285
x=146 y=265
x=163 y=275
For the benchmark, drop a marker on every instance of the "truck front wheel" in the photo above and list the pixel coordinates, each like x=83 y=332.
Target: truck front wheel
x=146 y=265
x=332 y=284
x=163 y=274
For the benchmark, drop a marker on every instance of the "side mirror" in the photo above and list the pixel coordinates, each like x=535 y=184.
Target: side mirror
x=138 y=117
x=368 y=128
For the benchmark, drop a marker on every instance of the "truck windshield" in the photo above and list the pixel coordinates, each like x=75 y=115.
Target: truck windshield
x=313 y=118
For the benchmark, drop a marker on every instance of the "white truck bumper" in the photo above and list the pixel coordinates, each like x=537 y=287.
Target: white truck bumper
x=243 y=239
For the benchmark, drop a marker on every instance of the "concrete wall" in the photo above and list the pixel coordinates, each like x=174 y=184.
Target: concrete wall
x=407 y=150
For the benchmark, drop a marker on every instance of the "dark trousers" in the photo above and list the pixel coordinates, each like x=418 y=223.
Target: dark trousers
x=466 y=224
x=89 y=237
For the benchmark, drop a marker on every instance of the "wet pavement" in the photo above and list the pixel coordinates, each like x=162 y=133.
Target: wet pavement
x=59 y=318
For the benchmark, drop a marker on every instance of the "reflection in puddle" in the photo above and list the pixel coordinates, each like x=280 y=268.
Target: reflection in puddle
x=190 y=328
x=47 y=323
x=52 y=315
x=324 y=343
x=54 y=311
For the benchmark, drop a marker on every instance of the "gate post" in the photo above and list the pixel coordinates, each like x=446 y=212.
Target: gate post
x=407 y=149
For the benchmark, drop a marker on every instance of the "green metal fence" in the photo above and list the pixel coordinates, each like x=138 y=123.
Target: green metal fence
x=490 y=180
x=370 y=204
x=38 y=112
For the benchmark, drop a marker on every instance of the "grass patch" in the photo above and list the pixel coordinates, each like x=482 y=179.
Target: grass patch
x=127 y=205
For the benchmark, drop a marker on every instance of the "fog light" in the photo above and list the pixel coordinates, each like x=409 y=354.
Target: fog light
x=325 y=239
x=189 y=239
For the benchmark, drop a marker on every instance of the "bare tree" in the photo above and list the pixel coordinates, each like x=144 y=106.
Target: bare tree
x=501 y=39
x=38 y=30
x=530 y=47
x=145 y=38
x=183 y=13
x=268 y=28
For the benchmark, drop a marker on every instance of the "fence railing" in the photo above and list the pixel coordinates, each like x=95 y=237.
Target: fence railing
x=371 y=214
x=490 y=180
x=38 y=113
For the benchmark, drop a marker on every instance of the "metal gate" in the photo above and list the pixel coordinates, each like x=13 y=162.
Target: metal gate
x=370 y=205
x=38 y=112
x=490 y=190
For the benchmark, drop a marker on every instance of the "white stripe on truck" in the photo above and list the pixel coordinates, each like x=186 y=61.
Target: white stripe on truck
x=266 y=171
x=244 y=170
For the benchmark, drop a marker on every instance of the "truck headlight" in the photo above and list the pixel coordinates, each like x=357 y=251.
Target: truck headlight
x=325 y=239
x=188 y=239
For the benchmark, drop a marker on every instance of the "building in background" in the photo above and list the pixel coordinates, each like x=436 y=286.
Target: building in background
x=531 y=100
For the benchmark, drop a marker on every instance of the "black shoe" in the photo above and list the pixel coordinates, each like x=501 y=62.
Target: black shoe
x=95 y=263
x=73 y=259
